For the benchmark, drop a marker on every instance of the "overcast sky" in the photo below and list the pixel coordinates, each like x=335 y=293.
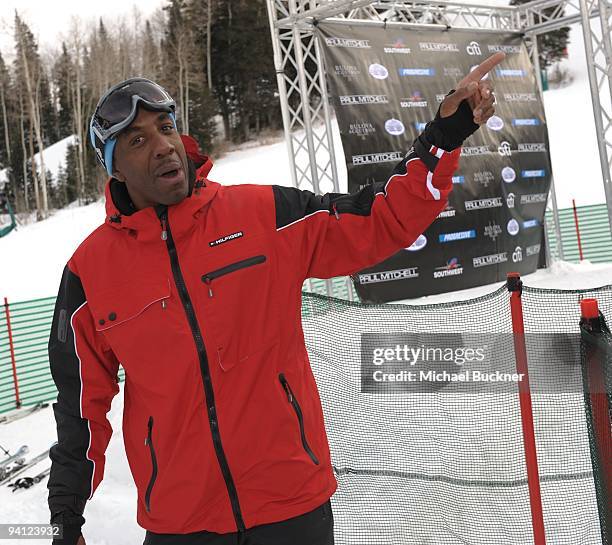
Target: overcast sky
x=49 y=18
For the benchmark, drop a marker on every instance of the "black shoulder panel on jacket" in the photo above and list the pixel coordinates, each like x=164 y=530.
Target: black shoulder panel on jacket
x=294 y=204
x=71 y=472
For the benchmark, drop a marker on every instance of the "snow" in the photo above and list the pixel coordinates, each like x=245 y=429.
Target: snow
x=33 y=258
x=55 y=156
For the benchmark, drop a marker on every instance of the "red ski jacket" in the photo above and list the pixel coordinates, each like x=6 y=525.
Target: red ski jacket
x=200 y=303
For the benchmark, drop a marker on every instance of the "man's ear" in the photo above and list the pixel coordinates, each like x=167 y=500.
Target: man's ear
x=118 y=176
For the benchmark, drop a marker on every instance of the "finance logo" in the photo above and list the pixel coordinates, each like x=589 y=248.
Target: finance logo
x=452 y=268
x=541 y=173
x=510 y=200
x=510 y=73
x=407 y=72
x=457 y=235
x=473 y=48
x=504 y=149
x=526 y=122
x=527 y=224
x=419 y=125
x=458 y=179
x=517 y=255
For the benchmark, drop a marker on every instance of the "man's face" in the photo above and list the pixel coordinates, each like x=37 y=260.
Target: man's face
x=150 y=159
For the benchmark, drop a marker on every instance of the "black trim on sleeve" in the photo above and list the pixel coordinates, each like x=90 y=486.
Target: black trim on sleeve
x=71 y=472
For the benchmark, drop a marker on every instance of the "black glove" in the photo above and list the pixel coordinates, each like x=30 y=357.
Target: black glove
x=449 y=132
x=72 y=524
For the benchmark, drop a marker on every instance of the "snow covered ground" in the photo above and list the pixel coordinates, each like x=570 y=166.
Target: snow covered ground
x=33 y=258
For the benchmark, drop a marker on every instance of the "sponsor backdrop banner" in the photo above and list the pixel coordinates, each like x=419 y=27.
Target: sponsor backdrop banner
x=385 y=85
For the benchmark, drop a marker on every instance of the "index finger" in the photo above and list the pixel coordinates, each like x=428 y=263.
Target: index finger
x=485 y=67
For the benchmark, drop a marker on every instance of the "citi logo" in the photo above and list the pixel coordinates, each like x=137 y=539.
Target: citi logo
x=504 y=149
x=473 y=48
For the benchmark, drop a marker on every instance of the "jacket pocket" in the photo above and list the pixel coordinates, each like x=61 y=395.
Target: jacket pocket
x=298 y=412
x=149 y=443
x=209 y=277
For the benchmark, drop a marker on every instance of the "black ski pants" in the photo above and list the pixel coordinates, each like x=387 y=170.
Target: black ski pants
x=313 y=528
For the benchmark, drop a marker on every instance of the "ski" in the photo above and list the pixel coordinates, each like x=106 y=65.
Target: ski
x=21 y=413
x=27 y=482
x=20 y=468
x=14 y=458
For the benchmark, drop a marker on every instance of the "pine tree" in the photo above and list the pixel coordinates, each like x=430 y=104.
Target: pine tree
x=63 y=79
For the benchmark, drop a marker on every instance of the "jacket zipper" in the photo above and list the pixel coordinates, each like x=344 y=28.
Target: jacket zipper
x=149 y=443
x=300 y=416
x=204 y=369
x=242 y=264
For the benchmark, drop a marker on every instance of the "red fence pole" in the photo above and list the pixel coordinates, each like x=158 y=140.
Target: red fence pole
x=600 y=408
x=515 y=287
x=577 y=229
x=12 y=349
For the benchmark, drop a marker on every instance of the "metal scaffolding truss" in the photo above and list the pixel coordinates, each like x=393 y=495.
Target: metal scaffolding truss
x=301 y=75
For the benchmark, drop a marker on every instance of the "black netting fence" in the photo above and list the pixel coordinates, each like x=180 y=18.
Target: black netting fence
x=445 y=464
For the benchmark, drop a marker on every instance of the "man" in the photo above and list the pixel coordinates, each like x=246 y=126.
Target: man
x=195 y=289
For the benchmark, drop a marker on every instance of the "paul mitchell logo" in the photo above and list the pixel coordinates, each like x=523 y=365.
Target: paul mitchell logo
x=226 y=238
x=534 y=198
x=493 y=259
x=452 y=268
x=481 y=204
x=520 y=97
x=517 y=255
x=492 y=230
x=438 y=47
x=473 y=48
x=346 y=42
x=373 y=158
x=507 y=49
x=388 y=276
x=532 y=250
x=457 y=235
x=356 y=100
x=532 y=147
x=468 y=151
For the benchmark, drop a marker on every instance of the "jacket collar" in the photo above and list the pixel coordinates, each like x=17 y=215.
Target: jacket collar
x=145 y=224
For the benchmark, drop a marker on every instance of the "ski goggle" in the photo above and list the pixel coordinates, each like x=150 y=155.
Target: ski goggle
x=118 y=107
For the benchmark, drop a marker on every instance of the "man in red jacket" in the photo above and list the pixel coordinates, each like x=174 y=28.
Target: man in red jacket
x=195 y=289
